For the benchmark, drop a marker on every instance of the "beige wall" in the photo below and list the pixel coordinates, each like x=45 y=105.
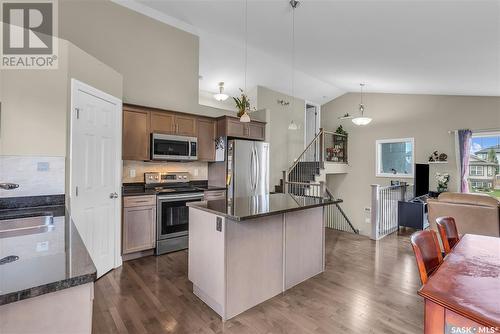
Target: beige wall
x=427 y=118
x=33 y=119
x=159 y=63
x=285 y=145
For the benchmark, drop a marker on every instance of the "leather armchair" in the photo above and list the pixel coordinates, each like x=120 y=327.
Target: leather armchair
x=473 y=213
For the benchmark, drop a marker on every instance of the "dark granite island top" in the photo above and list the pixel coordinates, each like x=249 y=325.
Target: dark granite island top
x=244 y=208
x=53 y=259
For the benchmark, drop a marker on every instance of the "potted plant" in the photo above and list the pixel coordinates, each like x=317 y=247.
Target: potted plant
x=442 y=180
x=242 y=103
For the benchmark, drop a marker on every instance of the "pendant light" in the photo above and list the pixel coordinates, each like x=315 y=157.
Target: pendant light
x=361 y=120
x=221 y=96
x=294 y=3
x=245 y=118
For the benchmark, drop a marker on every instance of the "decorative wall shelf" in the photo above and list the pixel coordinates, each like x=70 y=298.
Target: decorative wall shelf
x=437 y=162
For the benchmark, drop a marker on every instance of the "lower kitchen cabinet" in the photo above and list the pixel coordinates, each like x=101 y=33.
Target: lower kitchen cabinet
x=139 y=224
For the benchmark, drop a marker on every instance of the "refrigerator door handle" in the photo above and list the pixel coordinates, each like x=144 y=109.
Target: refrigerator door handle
x=257 y=169
x=252 y=167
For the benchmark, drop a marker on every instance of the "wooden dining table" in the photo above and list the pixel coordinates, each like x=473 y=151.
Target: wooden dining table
x=463 y=294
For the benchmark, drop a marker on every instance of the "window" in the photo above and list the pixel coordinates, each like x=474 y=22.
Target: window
x=476 y=171
x=395 y=157
x=491 y=171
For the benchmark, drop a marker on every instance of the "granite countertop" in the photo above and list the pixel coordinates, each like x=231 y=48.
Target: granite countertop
x=244 y=208
x=50 y=260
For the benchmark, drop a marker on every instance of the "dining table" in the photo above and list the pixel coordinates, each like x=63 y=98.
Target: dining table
x=463 y=294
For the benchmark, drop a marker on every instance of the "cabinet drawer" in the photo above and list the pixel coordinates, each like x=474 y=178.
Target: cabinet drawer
x=145 y=200
x=213 y=195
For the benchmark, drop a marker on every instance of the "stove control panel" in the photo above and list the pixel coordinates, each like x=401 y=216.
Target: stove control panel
x=170 y=177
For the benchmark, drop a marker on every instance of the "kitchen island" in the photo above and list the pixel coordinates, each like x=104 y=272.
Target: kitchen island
x=46 y=273
x=243 y=251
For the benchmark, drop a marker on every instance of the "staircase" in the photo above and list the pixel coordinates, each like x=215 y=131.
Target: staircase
x=325 y=154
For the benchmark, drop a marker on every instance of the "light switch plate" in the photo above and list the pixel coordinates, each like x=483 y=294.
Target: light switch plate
x=132 y=173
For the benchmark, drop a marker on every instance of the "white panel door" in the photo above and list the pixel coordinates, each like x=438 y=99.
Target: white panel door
x=96 y=173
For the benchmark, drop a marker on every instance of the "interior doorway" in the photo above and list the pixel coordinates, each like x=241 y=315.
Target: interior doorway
x=312 y=122
x=95 y=173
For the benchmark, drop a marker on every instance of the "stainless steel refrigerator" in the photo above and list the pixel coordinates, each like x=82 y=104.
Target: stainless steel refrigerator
x=247 y=168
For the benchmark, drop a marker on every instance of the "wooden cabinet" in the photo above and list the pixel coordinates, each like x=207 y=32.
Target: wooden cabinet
x=232 y=127
x=136 y=131
x=257 y=130
x=162 y=122
x=185 y=125
x=206 y=139
x=139 y=223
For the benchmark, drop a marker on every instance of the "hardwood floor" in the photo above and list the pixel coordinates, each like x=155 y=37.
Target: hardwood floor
x=367 y=287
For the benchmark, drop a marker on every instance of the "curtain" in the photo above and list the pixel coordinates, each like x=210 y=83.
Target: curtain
x=464 y=143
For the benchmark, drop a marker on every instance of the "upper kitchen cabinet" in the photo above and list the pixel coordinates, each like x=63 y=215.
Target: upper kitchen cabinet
x=172 y=123
x=206 y=139
x=162 y=122
x=136 y=129
x=232 y=127
x=185 y=125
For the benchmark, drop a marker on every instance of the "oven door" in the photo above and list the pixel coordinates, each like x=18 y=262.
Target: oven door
x=168 y=147
x=173 y=214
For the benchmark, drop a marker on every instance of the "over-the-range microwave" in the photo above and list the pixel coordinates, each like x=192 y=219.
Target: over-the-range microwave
x=175 y=148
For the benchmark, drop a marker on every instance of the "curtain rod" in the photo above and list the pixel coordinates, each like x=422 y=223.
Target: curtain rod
x=477 y=130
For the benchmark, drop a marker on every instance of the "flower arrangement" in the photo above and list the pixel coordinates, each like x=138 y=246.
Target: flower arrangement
x=242 y=103
x=442 y=181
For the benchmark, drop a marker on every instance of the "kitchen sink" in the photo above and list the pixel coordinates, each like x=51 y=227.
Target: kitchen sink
x=26 y=225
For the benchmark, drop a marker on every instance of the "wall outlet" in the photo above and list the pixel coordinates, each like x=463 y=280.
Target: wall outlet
x=131 y=173
x=42 y=166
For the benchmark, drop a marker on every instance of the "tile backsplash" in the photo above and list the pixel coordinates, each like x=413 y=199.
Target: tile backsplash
x=197 y=170
x=35 y=175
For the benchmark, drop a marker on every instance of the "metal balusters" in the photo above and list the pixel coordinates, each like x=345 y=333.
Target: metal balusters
x=384 y=215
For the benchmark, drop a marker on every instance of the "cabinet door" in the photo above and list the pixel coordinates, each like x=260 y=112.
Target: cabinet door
x=257 y=131
x=135 y=135
x=139 y=229
x=206 y=139
x=185 y=125
x=235 y=128
x=162 y=122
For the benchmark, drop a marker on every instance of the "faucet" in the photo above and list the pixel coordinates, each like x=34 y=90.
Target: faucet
x=8 y=186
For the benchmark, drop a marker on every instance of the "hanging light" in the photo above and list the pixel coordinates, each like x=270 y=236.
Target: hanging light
x=294 y=3
x=361 y=120
x=245 y=118
x=292 y=126
x=221 y=96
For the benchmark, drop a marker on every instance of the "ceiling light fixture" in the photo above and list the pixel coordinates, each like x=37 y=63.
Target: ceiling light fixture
x=294 y=3
x=361 y=120
x=221 y=96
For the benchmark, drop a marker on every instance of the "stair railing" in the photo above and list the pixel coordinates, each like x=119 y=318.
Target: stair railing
x=384 y=208
x=300 y=180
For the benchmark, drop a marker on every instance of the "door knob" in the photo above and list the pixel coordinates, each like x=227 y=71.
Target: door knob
x=113 y=195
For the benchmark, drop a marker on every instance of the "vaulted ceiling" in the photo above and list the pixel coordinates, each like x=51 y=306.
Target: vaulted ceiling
x=417 y=47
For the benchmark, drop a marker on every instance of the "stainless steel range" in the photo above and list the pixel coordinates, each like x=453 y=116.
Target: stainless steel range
x=173 y=192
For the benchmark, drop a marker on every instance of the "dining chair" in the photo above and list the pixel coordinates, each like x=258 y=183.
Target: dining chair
x=448 y=232
x=427 y=252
